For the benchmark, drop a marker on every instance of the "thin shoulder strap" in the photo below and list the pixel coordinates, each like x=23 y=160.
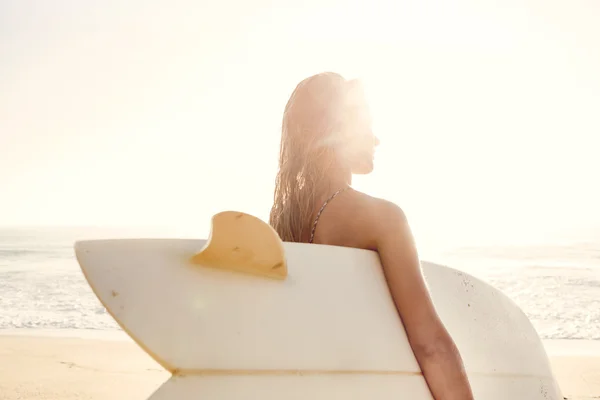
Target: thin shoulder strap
x=314 y=227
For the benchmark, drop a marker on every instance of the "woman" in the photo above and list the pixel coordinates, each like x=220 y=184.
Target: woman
x=326 y=137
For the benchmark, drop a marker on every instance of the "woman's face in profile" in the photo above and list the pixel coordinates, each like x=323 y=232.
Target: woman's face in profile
x=361 y=149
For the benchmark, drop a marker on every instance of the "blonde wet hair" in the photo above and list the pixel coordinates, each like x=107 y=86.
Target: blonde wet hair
x=312 y=131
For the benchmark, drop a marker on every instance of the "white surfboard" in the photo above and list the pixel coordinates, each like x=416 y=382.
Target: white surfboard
x=245 y=316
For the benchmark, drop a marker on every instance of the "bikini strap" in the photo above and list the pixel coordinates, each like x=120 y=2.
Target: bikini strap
x=314 y=227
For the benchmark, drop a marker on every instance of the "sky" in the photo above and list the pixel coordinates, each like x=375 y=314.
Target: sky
x=161 y=113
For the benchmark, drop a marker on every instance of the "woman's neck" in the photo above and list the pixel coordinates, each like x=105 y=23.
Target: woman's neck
x=336 y=180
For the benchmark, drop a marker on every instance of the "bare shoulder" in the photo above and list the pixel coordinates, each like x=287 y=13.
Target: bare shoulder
x=379 y=209
x=358 y=220
x=383 y=216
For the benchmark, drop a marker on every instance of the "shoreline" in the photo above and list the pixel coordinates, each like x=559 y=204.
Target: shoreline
x=554 y=347
x=50 y=364
x=89 y=334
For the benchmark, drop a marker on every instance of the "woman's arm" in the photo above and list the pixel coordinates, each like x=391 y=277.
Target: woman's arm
x=433 y=347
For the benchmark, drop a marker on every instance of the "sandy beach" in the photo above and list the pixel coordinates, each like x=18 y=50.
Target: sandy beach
x=48 y=368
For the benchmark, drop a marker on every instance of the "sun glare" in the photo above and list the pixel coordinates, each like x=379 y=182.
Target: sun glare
x=480 y=133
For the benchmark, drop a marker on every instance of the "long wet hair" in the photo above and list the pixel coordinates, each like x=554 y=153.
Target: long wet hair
x=313 y=114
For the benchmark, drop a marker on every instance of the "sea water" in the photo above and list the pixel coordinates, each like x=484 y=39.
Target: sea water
x=42 y=288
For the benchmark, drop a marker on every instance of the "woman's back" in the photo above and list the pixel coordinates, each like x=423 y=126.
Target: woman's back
x=346 y=220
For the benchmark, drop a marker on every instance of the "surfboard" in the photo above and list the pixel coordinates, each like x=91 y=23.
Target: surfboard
x=243 y=315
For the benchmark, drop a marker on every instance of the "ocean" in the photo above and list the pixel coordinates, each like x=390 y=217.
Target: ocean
x=557 y=284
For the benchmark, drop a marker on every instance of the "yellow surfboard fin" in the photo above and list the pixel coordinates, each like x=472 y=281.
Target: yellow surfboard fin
x=243 y=243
